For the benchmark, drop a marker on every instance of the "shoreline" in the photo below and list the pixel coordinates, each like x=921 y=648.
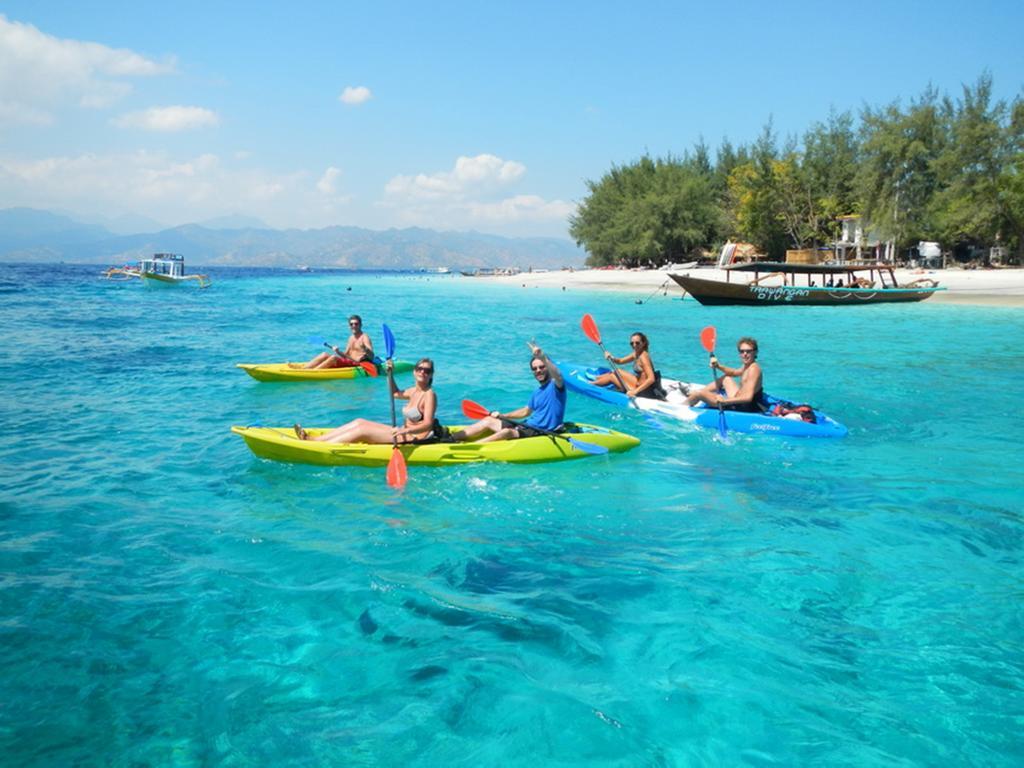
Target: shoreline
x=979 y=287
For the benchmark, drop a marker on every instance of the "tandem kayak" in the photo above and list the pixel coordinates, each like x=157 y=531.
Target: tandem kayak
x=281 y=444
x=286 y=371
x=580 y=379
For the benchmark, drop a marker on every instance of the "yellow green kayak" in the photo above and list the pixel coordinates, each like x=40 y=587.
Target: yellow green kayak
x=281 y=444
x=294 y=371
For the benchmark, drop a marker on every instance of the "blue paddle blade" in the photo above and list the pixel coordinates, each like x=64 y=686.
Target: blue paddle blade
x=722 y=429
x=597 y=450
x=389 y=342
x=317 y=341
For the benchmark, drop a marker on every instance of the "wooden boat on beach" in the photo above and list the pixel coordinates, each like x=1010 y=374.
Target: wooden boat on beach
x=168 y=269
x=824 y=284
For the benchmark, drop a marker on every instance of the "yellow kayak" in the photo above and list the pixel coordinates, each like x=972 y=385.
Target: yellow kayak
x=281 y=444
x=294 y=371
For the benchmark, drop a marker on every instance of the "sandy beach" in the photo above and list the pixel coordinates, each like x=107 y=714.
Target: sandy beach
x=1002 y=287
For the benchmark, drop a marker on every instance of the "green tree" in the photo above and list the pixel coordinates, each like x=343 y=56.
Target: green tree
x=897 y=178
x=968 y=206
x=829 y=166
x=649 y=213
x=755 y=197
x=1011 y=182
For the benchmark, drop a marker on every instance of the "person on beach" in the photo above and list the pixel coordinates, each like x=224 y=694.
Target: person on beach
x=544 y=413
x=644 y=381
x=420 y=424
x=725 y=393
x=358 y=349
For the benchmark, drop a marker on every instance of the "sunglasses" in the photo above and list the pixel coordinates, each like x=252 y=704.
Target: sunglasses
x=537 y=370
x=747 y=351
x=635 y=343
x=423 y=369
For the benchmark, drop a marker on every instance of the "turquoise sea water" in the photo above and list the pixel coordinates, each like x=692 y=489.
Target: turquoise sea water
x=168 y=599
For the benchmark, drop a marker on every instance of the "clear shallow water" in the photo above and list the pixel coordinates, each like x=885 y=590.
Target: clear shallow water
x=166 y=598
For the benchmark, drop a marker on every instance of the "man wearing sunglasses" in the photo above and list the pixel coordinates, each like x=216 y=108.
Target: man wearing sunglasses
x=358 y=349
x=725 y=393
x=544 y=413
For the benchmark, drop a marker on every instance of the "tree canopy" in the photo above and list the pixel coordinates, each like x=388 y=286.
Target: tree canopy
x=936 y=169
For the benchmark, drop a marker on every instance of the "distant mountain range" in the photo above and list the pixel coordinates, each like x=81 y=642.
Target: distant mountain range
x=32 y=235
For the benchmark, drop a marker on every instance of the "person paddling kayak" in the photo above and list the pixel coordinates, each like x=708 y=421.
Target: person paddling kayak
x=644 y=381
x=725 y=393
x=358 y=349
x=420 y=423
x=544 y=413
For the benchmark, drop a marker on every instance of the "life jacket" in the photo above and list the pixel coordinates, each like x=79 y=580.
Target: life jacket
x=806 y=412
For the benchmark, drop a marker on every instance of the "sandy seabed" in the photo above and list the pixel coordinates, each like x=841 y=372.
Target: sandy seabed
x=1004 y=287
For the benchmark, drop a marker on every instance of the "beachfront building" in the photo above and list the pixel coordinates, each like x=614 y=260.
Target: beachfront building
x=858 y=241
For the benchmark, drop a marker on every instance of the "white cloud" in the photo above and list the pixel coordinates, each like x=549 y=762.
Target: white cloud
x=170 y=188
x=468 y=174
x=328 y=183
x=522 y=208
x=168 y=119
x=40 y=73
x=358 y=94
x=474 y=193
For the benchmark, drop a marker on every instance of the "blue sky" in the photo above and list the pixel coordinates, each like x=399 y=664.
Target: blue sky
x=458 y=115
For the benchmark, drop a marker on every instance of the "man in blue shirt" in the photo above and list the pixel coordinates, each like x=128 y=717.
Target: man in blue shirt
x=544 y=413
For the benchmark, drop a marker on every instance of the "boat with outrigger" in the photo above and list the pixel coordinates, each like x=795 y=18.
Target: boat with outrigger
x=164 y=270
x=160 y=270
x=836 y=284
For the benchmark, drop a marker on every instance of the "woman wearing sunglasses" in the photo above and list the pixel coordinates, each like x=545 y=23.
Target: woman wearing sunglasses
x=644 y=381
x=419 y=425
x=725 y=393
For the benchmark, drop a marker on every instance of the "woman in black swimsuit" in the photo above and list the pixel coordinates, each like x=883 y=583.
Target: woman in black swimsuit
x=644 y=381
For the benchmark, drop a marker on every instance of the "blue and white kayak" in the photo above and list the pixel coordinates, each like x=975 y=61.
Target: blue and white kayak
x=580 y=379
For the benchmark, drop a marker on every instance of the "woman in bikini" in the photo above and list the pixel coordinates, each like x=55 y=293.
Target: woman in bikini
x=644 y=381
x=420 y=424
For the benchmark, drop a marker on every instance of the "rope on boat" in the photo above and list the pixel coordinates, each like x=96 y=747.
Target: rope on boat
x=662 y=287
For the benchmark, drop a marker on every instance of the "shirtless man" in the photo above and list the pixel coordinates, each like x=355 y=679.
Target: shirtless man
x=358 y=349
x=724 y=393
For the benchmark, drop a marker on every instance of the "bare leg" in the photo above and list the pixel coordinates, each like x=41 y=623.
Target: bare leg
x=358 y=431
x=505 y=433
x=486 y=424
x=315 y=362
x=708 y=392
x=609 y=378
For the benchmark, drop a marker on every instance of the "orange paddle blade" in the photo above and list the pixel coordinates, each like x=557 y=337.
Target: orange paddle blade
x=590 y=329
x=474 y=410
x=398 y=473
x=370 y=368
x=708 y=337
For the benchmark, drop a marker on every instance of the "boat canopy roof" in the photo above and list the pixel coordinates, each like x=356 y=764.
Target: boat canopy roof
x=803 y=269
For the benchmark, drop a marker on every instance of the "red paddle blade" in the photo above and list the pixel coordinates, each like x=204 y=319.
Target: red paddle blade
x=474 y=410
x=590 y=329
x=370 y=368
x=707 y=338
x=398 y=473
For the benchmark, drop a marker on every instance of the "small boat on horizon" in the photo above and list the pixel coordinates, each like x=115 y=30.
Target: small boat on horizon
x=166 y=270
x=840 y=285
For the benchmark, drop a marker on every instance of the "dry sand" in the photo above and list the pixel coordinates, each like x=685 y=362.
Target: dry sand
x=1003 y=287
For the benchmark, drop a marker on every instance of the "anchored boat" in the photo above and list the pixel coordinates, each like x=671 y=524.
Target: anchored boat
x=168 y=269
x=281 y=444
x=824 y=284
